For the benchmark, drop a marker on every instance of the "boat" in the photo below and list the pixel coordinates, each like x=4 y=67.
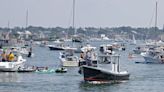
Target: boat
x=67 y=58
x=44 y=70
x=153 y=56
x=43 y=43
x=23 y=50
x=76 y=38
x=12 y=66
x=61 y=70
x=88 y=47
x=57 y=46
x=26 y=70
x=53 y=47
x=92 y=73
x=133 y=41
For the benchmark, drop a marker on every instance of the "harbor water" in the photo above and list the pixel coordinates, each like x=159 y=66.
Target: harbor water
x=143 y=77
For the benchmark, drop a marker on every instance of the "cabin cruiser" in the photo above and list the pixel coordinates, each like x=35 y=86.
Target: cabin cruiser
x=12 y=66
x=92 y=73
x=67 y=58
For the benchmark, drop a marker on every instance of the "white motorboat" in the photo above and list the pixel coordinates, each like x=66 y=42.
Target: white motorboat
x=68 y=58
x=88 y=47
x=12 y=66
x=153 y=56
x=24 y=51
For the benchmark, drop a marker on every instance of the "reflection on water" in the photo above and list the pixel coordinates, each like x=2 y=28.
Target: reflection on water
x=8 y=77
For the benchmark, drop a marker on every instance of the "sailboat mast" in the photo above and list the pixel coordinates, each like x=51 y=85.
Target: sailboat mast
x=8 y=25
x=156 y=16
x=26 y=19
x=73 y=19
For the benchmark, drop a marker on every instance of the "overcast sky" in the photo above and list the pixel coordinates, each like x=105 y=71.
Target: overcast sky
x=96 y=13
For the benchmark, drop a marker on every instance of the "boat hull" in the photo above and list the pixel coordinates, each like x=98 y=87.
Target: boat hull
x=96 y=74
x=69 y=63
x=55 y=48
x=152 y=60
x=10 y=66
x=76 y=40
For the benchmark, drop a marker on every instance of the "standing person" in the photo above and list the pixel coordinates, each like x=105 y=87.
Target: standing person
x=1 y=52
x=4 y=56
x=82 y=55
x=30 y=52
x=11 y=57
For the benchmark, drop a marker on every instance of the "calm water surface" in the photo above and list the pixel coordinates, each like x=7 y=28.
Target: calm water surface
x=144 y=77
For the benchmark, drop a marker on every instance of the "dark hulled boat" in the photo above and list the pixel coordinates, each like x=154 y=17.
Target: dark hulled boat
x=98 y=74
x=55 y=48
x=92 y=73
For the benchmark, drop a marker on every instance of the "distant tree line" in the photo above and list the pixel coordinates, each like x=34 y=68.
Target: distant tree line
x=57 y=32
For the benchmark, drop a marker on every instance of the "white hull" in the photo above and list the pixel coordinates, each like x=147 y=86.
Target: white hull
x=66 y=62
x=152 y=60
x=12 y=66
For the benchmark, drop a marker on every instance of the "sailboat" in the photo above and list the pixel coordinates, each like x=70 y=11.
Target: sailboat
x=154 y=54
x=133 y=41
x=75 y=37
x=67 y=58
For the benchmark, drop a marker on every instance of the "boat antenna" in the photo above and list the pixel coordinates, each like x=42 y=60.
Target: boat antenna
x=118 y=67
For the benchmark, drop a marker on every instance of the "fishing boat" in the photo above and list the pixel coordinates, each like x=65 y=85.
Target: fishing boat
x=91 y=73
x=12 y=66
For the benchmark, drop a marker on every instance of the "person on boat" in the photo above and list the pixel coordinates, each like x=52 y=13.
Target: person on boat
x=11 y=57
x=82 y=55
x=30 y=52
x=1 y=51
x=4 y=56
x=88 y=58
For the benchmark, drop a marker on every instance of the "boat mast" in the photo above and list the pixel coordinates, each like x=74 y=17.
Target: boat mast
x=73 y=17
x=26 y=19
x=156 y=16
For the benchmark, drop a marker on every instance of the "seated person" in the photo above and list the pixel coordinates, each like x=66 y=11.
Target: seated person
x=4 y=56
x=11 y=57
